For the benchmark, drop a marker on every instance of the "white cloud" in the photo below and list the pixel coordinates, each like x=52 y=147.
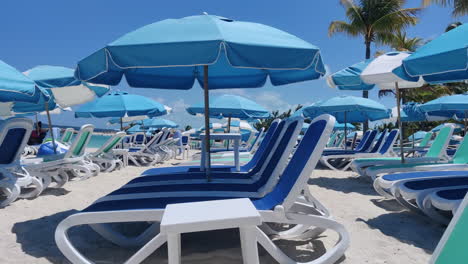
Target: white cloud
x=271 y=101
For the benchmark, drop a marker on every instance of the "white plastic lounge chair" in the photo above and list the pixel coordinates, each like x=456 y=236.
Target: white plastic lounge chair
x=382 y=148
x=436 y=153
x=58 y=168
x=104 y=157
x=280 y=206
x=442 y=204
x=458 y=162
x=15 y=182
x=67 y=136
x=143 y=156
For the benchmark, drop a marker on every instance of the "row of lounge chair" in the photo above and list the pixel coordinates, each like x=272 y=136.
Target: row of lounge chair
x=274 y=181
x=433 y=181
x=23 y=175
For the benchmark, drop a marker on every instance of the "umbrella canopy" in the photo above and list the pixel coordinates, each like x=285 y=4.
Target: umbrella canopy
x=419 y=135
x=61 y=83
x=444 y=59
x=339 y=126
x=16 y=87
x=136 y=129
x=386 y=71
x=458 y=127
x=169 y=54
x=241 y=124
x=350 y=78
x=348 y=109
x=231 y=106
x=158 y=123
x=451 y=103
x=217 y=52
x=120 y=104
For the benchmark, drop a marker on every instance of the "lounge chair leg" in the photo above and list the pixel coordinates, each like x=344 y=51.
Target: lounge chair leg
x=429 y=210
x=173 y=248
x=249 y=246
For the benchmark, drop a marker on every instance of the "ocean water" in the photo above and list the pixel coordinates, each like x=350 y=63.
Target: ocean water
x=96 y=141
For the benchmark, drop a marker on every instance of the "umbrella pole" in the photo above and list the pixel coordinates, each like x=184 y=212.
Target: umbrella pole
x=400 y=126
x=207 y=123
x=345 y=131
x=121 y=124
x=229 y=131
x=50 y=127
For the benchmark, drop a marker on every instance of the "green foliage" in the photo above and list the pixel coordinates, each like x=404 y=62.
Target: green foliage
x=460 y=7
x=265 y=123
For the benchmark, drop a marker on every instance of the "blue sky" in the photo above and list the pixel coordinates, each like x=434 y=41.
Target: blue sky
x=57 y=32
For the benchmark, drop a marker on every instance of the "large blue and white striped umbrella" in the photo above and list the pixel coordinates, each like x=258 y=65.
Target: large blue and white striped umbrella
x=443 y=59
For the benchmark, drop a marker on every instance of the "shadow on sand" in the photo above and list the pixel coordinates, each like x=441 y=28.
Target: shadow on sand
x=222 y=246
x=344 y=185
x=409 y=228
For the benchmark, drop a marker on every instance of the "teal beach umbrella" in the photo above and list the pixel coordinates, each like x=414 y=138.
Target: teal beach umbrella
x=217 y=52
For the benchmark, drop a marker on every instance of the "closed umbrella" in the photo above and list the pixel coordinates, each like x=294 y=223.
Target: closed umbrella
x=121 y=104
x=217 y=52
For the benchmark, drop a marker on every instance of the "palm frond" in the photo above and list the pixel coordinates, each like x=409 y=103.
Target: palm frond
x=396 y=20
x=342 y=27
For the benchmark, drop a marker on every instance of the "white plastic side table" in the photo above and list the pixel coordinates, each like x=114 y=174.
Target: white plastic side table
x=212 y=215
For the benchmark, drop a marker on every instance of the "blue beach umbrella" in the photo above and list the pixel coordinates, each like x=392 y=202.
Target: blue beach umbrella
x=16 y=87
x=350 y=78
x=348 y=109
x=443 y=59
x=120 y=104
x=231 y=106
x=450 y=106
x=217 y=52
x=158 y=123
x=340 y=126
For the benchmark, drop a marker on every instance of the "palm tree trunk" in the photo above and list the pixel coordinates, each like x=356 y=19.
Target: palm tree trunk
x=365 y=94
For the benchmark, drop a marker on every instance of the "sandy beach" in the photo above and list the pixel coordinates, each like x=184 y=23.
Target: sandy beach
x=381 y=231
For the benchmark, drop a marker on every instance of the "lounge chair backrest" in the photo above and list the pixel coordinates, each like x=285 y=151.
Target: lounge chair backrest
x=111 y=143
x=263 y=145
x=331 y=141
x=387 y=146
x=367 y=142
x=14 y=135
x=256 y=139
x=425 y=141
x=461 y=156
x=278 y=159
x=378 y=144
x=184 y=140
x=67 y=135
x=139 y=138
x=439 y=145
x=81 y=141
x=339 y=140
x=363 y=140
x=300 y=167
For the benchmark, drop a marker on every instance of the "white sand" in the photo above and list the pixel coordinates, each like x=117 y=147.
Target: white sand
x=381 y=231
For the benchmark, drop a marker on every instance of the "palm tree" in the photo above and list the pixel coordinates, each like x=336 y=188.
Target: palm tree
x=374 y=21
x=460 y=7
x=401 y=42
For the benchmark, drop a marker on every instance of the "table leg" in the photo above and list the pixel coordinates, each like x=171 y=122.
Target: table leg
x=203 y=156
x=173 y=248
x=249 y=245
x=236 y=154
